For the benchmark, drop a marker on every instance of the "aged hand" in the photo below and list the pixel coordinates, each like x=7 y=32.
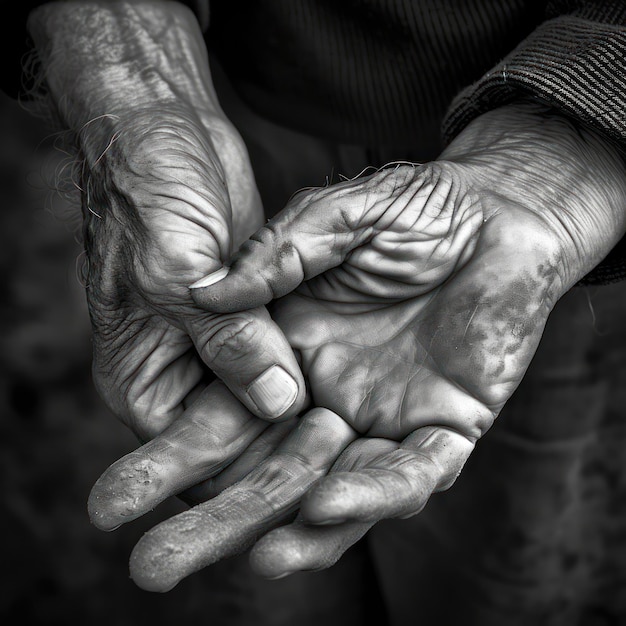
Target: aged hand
x=167 y=191
x=427 y=292
x=159 y=209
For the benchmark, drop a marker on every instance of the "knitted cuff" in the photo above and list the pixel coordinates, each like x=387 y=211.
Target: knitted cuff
x=578 y=67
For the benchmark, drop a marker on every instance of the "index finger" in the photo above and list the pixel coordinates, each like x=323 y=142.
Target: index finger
x=214 y=430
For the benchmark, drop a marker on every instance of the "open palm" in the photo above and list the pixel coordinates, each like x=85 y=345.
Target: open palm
x=418 y=318
x=408 y=328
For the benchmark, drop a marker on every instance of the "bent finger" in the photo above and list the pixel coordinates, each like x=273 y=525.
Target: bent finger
x=396 y=483
x=214 y=430
x=300 y=547
x=233 y=520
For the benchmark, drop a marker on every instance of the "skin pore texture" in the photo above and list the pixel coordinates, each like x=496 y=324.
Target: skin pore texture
x=414 y=299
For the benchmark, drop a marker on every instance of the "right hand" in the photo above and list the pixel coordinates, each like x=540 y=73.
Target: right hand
x=167 y=191
x=158 y=217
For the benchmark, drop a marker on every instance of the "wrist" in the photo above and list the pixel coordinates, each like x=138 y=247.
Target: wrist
x=570 y=179
x=101 y=58
x=108 y=66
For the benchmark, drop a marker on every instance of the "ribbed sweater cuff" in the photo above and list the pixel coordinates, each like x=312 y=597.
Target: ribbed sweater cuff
x=578 y=67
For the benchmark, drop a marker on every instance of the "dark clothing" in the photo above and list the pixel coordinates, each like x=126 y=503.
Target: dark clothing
x=384 y=72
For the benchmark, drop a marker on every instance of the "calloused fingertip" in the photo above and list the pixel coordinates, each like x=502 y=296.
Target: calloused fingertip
x=148 y=568
x=101 y=515
x=125 y=491
x=102 y=522
x=147 y=583
x=153 y=585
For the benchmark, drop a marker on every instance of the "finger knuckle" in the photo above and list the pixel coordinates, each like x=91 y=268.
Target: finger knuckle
x=233 y=338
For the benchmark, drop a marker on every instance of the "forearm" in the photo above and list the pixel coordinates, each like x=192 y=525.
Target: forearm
x=135 y=69
x=107 y=61
x=104 y=57
x=569 y=176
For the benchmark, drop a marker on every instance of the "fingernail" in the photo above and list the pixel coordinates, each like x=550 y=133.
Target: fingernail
x=274 y=391
x=211 y=279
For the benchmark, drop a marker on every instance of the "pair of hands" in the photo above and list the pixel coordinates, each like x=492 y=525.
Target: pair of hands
x=414 y=299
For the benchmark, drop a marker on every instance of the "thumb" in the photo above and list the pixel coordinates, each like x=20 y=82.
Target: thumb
x=315 y=232
x=250 y=353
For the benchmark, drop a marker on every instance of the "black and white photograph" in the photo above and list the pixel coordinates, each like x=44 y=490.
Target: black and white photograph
x=314 y=313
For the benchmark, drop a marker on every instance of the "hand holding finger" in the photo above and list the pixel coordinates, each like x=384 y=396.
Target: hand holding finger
x=397 y=230
x=250 y=354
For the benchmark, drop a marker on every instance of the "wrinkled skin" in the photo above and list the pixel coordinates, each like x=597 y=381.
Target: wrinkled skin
x=158 y=206
x=415 y=362
x=377 y=334
x=158 y=209
x=167 y=191
x=427 y=292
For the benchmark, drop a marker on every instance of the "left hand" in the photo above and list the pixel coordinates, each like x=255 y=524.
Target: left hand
x=428 y=290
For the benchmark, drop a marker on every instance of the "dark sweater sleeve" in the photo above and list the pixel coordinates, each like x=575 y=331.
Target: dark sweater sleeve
x=576 y=63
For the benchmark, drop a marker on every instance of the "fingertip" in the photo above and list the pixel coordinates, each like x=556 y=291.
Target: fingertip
x=303 y=548
x=172 y=551
x=124 y=492
x=225 y=291
x=331 y=500
x=100 y=513
x=212 y=300
x=210 y=279
x=150 y=565
x=284 y=551
x=190 y=541
x=268 y=558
